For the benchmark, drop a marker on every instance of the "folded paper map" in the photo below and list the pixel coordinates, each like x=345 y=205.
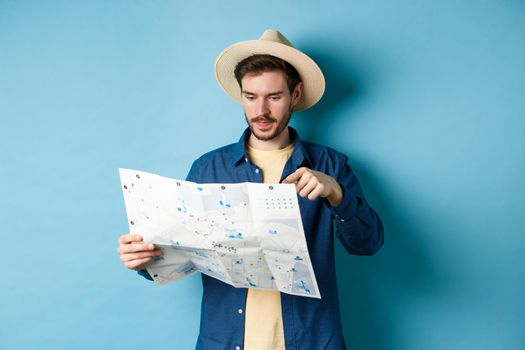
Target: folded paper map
x=248 y=235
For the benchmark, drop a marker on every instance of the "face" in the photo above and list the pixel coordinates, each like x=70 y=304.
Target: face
x=268 y=103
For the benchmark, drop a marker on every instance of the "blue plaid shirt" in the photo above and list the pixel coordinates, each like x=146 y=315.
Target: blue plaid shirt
x=308 y=323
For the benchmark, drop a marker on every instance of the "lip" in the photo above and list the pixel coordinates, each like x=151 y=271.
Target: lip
x=264 y=124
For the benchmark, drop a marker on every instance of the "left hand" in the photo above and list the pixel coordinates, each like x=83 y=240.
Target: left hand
x=313 y=184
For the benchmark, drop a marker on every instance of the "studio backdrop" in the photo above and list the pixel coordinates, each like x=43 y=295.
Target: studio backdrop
x=425 y=97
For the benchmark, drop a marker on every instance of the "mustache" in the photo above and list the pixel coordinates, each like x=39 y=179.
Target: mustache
x=263 y=119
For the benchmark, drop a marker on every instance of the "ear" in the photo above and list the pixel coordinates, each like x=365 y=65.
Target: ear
x=297 y=93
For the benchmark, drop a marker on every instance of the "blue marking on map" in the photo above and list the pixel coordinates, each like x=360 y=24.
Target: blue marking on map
x=233 y=233
x=272 y=231
x=298 y=258
x=201 y=254
x=250 y=282
x=200 y=189
x=302 y=286
x=158 y=258
x=182 y=208
x=226 y=204
x=238 y=235
x=188 y=270
x=175 y=243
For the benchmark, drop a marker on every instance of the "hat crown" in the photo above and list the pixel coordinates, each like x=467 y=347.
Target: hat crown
x=275 y=36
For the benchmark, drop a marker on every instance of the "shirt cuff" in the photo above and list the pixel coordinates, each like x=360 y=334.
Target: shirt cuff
x=346 y=209
x=145 y=274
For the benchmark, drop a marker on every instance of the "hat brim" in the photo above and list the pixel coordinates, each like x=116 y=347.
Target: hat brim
x=310 y=73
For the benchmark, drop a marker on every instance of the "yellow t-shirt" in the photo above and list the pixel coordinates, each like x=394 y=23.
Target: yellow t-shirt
x=263 y=327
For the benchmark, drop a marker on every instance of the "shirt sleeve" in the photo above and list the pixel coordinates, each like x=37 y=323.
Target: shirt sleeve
x=358 y=226
x=145 y=274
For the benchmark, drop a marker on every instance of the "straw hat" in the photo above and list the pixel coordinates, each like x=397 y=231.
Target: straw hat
x=270 y=43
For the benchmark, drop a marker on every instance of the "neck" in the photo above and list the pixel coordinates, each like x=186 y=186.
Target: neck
x=281 y=141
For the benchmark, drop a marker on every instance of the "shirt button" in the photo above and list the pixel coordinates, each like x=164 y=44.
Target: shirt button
x=342 y=220
x=237 y=348
x=239 y=311
x=257 y=170
x=245 y=159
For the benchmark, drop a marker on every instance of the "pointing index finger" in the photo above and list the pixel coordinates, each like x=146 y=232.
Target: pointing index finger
x=294 y=177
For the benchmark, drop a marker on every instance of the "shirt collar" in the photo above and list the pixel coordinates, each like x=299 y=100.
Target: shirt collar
x=299 y=156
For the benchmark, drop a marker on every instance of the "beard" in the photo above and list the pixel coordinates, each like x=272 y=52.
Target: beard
x=283 y=124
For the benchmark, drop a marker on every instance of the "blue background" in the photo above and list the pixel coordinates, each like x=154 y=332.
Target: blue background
x=426 y=98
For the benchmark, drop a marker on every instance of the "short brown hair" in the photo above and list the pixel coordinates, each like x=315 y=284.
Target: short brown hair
x=259 y=63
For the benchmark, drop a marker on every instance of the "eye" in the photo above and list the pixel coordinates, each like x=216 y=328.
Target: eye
x=275 y=98
x=249 y=97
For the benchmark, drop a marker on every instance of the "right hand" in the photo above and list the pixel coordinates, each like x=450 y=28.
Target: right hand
x=134 y=253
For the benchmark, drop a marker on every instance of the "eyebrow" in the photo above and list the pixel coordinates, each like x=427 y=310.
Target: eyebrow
x=270 y=94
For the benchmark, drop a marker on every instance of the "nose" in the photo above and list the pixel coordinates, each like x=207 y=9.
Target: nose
x=262 y=107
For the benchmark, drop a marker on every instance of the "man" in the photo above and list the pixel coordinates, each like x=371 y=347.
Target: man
x=271 y=79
